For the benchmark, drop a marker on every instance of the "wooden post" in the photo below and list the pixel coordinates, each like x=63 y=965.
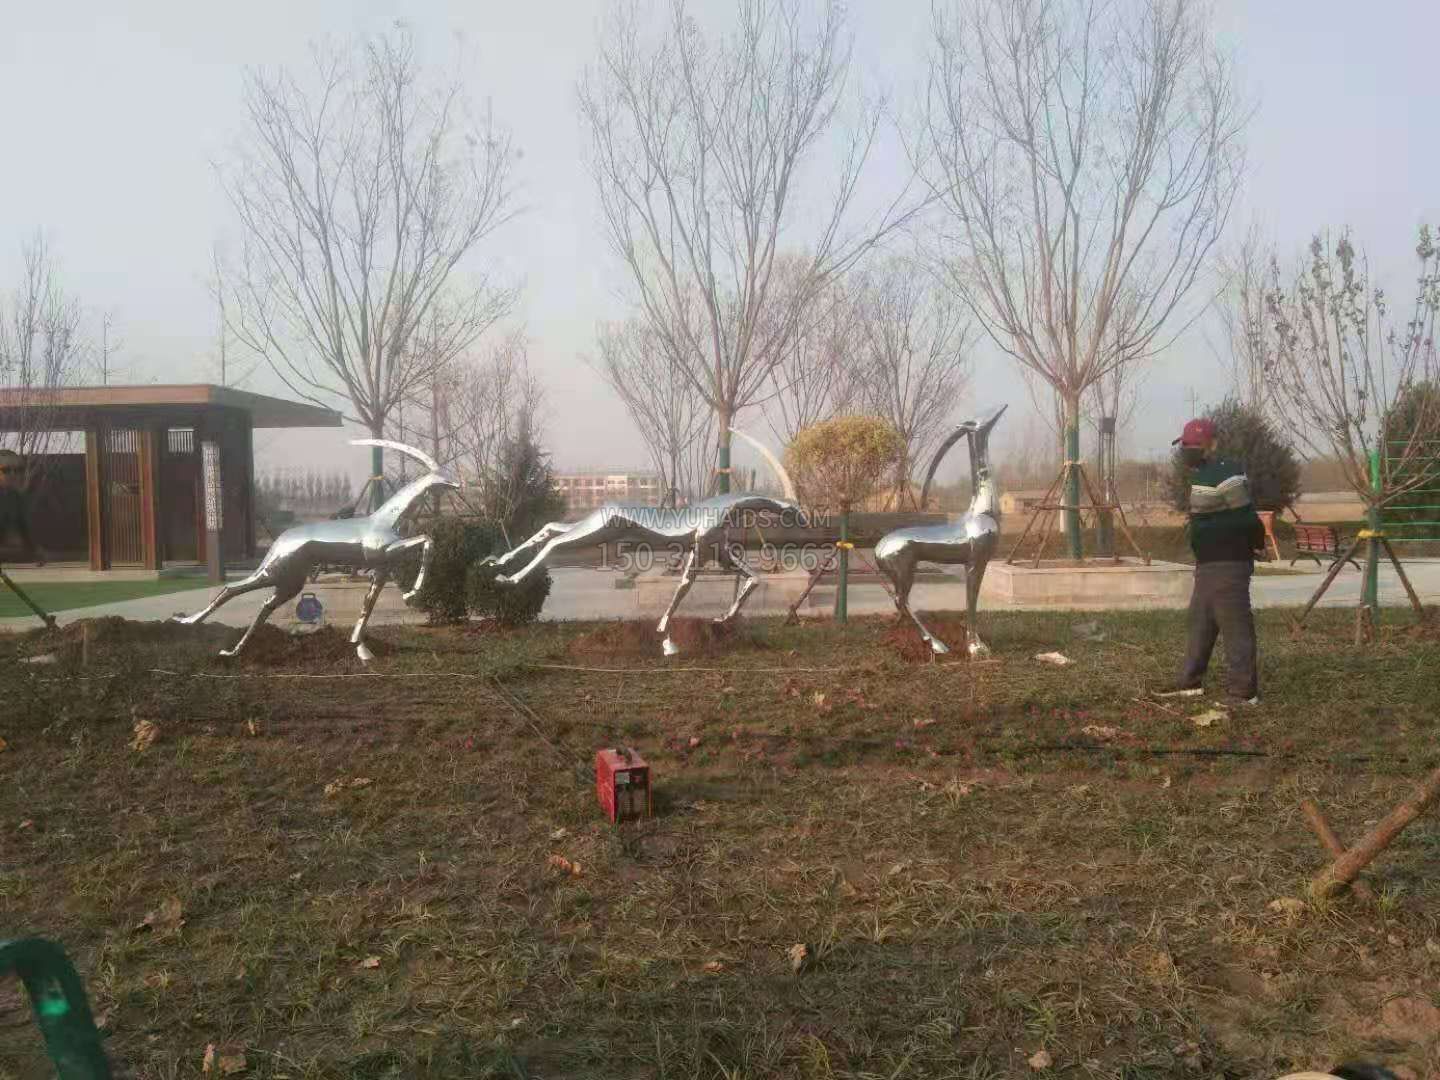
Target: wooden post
x=148 y=453
x=1345 y=869
x=94 y=500
x=214 y=508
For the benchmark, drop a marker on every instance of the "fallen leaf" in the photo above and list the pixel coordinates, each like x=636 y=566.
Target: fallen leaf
x=250 y=726
x=1040 y=1060
x=1166 y=782
x=1432 y=946
x=1208 y=717
x=144 y=735
x=714 y=967
x=47 y=658
x=1288 y=905
x=361 y=781
x=3 y=745
x=334 y=788
x=166 y=919
x=369 y=963
x=799 y=954
x=818 y=700
x=26 y=823
x=924 y=721
x=226 y=1061
x=694 y=741
x=1099 y=731
x=564 y=865
x=727 y=689
x=559 y=834
x=1058 y=659
x=102 y=1021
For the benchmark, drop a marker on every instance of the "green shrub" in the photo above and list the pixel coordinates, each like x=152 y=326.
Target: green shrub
x=457 y=586
x=509 y=605
x=1244 y=436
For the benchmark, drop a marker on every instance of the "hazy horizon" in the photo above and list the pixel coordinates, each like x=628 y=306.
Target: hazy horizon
x=123 y=115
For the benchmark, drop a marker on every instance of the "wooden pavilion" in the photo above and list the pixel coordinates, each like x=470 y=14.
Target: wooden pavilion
x=164 y=469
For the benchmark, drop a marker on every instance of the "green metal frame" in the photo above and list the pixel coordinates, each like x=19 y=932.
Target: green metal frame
x=62 y=1012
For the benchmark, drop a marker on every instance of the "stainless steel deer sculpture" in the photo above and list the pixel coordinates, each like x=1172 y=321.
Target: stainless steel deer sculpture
x=372 y=542
x=969 y=542
x=694 y=528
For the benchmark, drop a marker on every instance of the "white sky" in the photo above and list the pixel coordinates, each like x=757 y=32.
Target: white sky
x=113 y=115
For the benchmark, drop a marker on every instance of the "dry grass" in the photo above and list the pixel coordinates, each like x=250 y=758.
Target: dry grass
x=976 y=875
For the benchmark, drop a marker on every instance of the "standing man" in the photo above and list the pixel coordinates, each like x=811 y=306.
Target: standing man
x=14 y=508
x=1225 y=533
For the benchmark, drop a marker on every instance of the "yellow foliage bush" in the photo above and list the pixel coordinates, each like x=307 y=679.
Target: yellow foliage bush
x=838 y=462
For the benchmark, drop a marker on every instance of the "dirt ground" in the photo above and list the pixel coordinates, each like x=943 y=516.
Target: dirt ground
x=995 y=868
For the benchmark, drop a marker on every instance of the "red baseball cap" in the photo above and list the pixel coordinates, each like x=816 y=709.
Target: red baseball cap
x=1199 y=432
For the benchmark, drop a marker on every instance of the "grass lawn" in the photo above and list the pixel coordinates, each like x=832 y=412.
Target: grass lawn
x=65 y=595
x=984 y=860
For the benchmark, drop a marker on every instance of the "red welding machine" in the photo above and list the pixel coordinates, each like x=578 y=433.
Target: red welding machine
x=622 y=783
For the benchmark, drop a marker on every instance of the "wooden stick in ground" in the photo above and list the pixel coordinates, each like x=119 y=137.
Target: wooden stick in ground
x=815 y=575
x=1329 y=577
x=1404 y=579
x=1331 y=843
x=1345 y=869
x=1031 y=523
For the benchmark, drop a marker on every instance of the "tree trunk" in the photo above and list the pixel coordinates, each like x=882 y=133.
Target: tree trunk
x=842 y=590
x=722 y=463
x=1072 y=477
x=377 y=471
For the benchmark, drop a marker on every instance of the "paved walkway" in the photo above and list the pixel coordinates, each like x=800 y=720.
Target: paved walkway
x=580 y=593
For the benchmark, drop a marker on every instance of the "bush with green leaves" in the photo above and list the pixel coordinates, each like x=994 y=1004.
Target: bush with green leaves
x=458 y=586
x=1246 y=437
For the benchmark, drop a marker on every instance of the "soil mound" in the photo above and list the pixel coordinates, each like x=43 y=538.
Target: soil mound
x=635 y=638
x=904 y=638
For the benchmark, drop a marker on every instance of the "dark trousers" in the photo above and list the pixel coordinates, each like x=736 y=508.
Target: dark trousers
x=1220 y=606
x=14 y=519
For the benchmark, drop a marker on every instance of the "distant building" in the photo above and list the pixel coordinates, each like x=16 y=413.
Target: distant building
x=589 y=488
x=1021 y=502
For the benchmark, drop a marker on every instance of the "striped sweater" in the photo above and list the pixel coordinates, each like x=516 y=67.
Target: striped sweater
x=1223 y=524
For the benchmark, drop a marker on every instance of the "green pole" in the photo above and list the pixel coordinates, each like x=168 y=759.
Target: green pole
x=722 y=484
x=377 y=471
x=1371 y=595
x=841 y=594
x=62 y=1012
x=1072 y=487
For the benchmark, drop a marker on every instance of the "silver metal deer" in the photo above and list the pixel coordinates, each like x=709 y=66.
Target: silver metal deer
x=373 y=542
x=969 y=542
x=694 y=528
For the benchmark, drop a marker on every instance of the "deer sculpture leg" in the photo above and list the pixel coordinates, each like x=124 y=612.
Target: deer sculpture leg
x=746 y=582
x=974 y=575
x=900 y=568
x=546 y=533
x=687 y=578
x=357 y=636
x=258 y=580
x=285 y=591
x=427 y=552
x=595 y=529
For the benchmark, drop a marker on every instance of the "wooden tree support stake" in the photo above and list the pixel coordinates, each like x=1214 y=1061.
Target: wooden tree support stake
x=1331 y=843
x=1348 y=866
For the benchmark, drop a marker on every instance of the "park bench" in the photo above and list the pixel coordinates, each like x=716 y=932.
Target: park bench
x=1318 y=540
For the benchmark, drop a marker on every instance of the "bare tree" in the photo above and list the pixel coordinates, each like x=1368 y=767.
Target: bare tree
x=912 y=360
x=360 y=193
x=672 y=416
x=1352 y=383
x=42 y=350
x=817 y=374
x=485 y=406
x=1249 y=341
x=1087 y=157
x=697 y=146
